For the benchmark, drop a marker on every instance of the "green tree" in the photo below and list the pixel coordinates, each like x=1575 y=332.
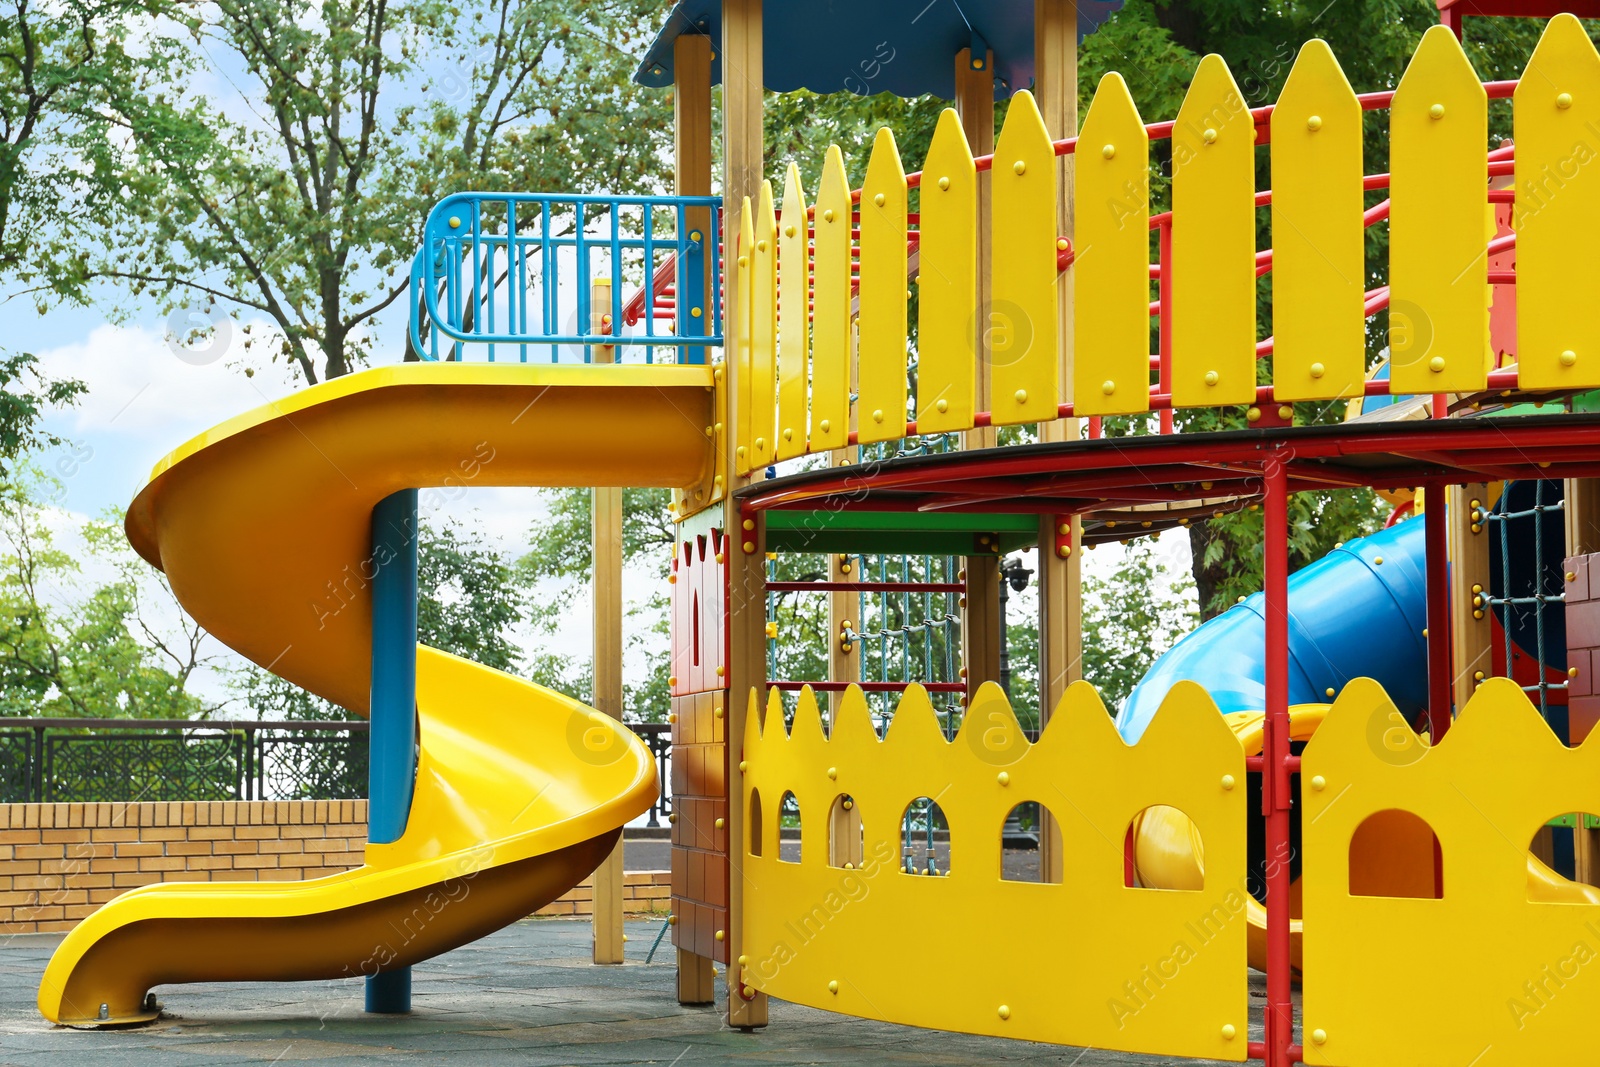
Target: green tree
x=559 y=565
x=370 y=111
x=67 y=649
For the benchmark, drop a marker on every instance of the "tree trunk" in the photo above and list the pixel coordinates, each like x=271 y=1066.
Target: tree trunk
x=1206 y=579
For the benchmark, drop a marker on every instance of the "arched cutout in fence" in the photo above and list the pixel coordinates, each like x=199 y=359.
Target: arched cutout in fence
x=1022 y=851
x=753 y=820
x=847 y=844
x=1556 y=875
x=789 y=819
x=1395 y=853
x=925 y=839
x=1163 y=850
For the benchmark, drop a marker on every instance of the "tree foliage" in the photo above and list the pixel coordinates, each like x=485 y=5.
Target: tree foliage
x=307 y=212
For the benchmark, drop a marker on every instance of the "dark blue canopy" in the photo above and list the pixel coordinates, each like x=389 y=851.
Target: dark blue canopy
x=905 y=47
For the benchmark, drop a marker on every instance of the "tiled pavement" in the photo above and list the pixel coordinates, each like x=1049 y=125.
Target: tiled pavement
x=526 y=995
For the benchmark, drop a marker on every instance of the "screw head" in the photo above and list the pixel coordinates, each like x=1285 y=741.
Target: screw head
x=877 y=415
x=827 y=215
x=833 y=987
x=1319 y=783
x=1005 y=1011
x=720 y=823
x=1563 y=100
x=1109 y=151
x=1021 y=396
x=1329 y=692
x=833 y=773
x=1377 y=561
x=1253 y=415
x=1209 y=136
x=944 y=182
x=1319 y=1036
x=824 y=425
x=1436 y=111
x=1568 y=358
x=721 y=935
x=455 y=222
x=942 y=405
x=1227 y=782
x=1212 y=377
x=1318 y=370
x=1285 y=412
x=1004 y=778
x=1436 y=364
x=879 y=200
x=1314 y=123
x=1108 y=387
x=1019 y=167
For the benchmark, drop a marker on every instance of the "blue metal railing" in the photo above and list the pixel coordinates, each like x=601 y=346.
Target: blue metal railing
x=519 y=270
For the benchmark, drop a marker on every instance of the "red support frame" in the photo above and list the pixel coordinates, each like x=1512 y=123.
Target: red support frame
x=1275 y=773
x=1435 y=542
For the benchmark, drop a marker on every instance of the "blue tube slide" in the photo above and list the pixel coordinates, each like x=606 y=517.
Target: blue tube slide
x=1350 y=616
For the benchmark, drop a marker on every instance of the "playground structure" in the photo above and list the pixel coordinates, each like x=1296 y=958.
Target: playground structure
x=1367 y=776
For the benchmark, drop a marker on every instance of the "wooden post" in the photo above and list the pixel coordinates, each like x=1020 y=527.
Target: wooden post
x=691 y=115
x=975 y=104
x=1055 y=37
x=691 y=104
x=742 y=158
x=607 y=560
x=980 y=620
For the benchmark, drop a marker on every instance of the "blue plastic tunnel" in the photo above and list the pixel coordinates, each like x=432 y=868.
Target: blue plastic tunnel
x=1349 y=617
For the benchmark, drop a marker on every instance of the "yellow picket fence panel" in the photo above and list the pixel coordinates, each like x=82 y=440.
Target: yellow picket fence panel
x=881 y=395
x=1557 y=211
x=830 y=329
x=738 y=328
x=947 y=282
x=794 y=327
x=851 y=262
x=764 y=332
x=1024 y=354
x=1213 y=243
x=1319 y=260
x=1111 y=273
x=1438 y=272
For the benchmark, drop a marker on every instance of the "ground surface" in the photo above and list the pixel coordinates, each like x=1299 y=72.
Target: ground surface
x=526 y=995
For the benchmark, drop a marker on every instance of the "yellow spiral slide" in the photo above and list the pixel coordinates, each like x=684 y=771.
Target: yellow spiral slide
x=262 y=526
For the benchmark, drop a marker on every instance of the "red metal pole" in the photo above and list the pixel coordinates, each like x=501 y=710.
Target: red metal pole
x=1164 y=290
x=1275 y=774
x=1435 y=542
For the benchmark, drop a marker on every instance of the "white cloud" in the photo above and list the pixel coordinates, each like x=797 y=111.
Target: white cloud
x=142 y=386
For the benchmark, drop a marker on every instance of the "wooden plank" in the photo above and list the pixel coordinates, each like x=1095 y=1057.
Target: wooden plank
x=1469 y=577
x=947 y=309
x=1025 y=368
x=1557 y=111
x=606 y=666
x=1213 y=243
x=1111 y=275
x=794 y=327
x=691 y=129
x=881 y=401
x=1318 y=259
x=830 y=331
x=1438 y=272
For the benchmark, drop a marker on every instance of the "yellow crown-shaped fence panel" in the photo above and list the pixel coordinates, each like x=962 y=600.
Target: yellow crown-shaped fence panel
x=1091 y=960
x=1193 y=340
x=1417 y=871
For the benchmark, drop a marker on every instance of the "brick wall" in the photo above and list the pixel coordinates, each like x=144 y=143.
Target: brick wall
x=59 y=862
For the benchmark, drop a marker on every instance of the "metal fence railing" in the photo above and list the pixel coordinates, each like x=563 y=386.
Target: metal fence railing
x=548 y=278
x=133 y=761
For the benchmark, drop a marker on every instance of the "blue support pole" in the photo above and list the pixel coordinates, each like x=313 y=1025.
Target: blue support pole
x=392 y=763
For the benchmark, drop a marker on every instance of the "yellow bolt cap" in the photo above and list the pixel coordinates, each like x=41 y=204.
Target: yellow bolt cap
x=1004 y=778
x=944 y=183
x=1108 y=387
x=1021 y=396
x=833 y=773
x=879 y=200
x=720 y=823
x=1319 y=1036
x=1568 y=358
x=942 y=406
x=1318 y=370
x=833 y=987
x=1019 y=167
x=1436 y=111
x=1227 y=781
x=1005 y=1011
x=721 y=935
x=1318 y=782
x=1563 y=100
x=1436 y=364
x=1228 y=1032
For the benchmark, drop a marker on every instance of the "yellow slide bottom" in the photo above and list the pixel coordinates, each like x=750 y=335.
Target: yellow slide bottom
x=1389 y=861
x=263 y=529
